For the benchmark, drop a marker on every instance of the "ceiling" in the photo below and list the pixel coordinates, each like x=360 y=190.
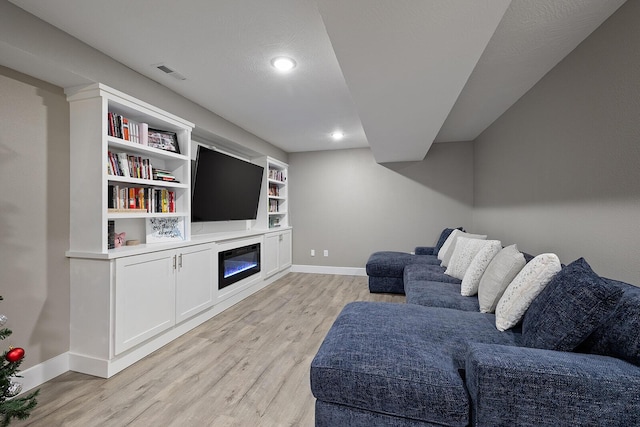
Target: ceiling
x=393 y=75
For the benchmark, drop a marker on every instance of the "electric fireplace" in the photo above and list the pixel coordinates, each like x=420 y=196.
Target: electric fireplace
x=238 y=263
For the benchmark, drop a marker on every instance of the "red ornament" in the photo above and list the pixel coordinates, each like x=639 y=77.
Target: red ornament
x=15 y=354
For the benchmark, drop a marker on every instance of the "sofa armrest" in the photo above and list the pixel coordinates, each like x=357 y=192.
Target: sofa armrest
x=526 y=386
x=425 y=250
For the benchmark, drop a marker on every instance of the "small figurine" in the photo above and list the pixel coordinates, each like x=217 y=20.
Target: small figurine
x=119 y=239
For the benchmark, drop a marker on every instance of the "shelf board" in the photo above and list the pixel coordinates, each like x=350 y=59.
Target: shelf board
x=146 y=182
x=118 y=143
x=277 y=198
x=275 y=181
x=277 y=213
x=137 y=213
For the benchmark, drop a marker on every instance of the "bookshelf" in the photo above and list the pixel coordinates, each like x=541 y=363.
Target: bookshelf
x=277 y=194
x=114 y=153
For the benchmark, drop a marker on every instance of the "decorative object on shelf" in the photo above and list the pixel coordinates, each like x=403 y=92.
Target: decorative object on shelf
x=134 y=242
x=119 y=239
x=163 y=140
x=165 y=229
x=10 y=407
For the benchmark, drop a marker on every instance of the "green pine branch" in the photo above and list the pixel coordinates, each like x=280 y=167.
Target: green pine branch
x=12 y=407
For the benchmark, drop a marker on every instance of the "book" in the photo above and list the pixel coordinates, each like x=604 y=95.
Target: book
x=123 y=161
x=111 y=234
x=144 y=133
x=172 y=201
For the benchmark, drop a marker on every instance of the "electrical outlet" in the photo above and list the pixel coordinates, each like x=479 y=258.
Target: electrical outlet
x=326 y=252
x=313 y=252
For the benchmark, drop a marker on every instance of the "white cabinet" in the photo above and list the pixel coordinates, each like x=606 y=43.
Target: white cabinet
x=196 y=286
x=270 y=257
x=145 y=298
x=277 y=252
x=284 y=250
x=157 y=290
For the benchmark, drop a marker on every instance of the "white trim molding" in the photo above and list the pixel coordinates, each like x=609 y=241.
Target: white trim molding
x=39 y=374
x=323 y=269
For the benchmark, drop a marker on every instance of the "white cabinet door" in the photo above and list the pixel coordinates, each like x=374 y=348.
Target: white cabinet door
x=144 y=298
x=270 y=254
x=196 y=284
x=284 y=259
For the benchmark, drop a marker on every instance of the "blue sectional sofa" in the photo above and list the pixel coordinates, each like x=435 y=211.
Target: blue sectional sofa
x=573 y=359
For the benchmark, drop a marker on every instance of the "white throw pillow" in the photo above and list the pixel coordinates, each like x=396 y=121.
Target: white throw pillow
x=524 y=288
x=446 y=257
x=464 y=252
x=478 y=265
x=502 y=269
x=452 y=238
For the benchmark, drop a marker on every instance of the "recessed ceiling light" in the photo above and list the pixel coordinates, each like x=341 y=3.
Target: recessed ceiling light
x=282 y=63
x=337 y=135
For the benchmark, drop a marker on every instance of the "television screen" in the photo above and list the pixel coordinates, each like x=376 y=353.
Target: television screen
x=224 y=188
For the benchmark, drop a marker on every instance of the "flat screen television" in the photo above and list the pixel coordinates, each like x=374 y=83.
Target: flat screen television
x=224 y=188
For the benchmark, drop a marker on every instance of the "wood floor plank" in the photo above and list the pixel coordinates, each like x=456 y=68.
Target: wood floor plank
x=248 y=366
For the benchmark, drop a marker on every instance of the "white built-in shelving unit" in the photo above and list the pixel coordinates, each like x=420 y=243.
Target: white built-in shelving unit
x=91 y=180
x=277 y=194
x=127 y=302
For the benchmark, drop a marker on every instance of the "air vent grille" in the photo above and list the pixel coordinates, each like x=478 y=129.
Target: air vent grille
x=170 y=72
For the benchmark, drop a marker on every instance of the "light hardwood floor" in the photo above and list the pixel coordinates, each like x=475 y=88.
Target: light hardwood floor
x=248 y=366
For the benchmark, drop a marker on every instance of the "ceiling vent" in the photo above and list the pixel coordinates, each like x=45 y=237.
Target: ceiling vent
x=170 y=72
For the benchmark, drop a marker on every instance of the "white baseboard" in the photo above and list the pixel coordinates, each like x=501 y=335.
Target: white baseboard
x=322 y=269
x=43 y=372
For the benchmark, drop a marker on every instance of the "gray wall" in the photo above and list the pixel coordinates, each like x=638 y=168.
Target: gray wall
x=345 y=202
x=560 y=171
x=34 y=215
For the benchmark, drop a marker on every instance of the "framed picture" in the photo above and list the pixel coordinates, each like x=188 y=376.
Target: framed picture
x=163 y=140
x=170 y=229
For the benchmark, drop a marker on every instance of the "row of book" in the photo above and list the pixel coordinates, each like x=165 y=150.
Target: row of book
x=143 y=199
x=274 y=206
x=274 y=190
x=130 y=166
x=277 y=175
x=163 y=175
x=274 y=222
x=123 y=164
x=123 y=128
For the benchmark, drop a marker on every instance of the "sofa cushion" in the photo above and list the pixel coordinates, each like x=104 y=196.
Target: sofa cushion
x=438 y=294
x=571 y=307
x=401 y=359
x=444 y=254
x=464 y=252
x=443 y=237
x=433 y=273
x=524 y=288
x=502 y=269
x=392 y=264
x=618 y=336
x=389 y=285
x=478 y=265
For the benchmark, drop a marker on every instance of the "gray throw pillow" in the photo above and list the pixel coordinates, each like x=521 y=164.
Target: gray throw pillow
x=502 y=269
